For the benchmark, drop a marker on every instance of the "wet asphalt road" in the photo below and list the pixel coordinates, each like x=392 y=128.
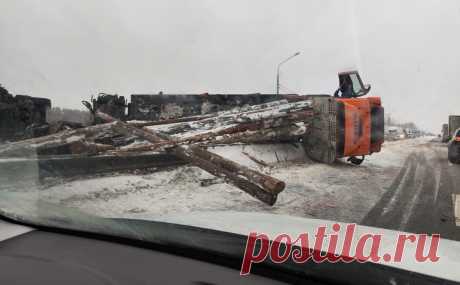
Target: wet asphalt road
x=419 y=199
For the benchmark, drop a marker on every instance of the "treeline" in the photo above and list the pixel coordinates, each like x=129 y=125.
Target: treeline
x=390 y=121
x=56 y=114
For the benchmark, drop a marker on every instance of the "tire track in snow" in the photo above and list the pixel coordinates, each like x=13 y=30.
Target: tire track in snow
x=419 y=215
x=384 y=213
x=420 y=198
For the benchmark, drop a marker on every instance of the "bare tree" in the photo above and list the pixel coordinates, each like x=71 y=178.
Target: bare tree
x=57 y=114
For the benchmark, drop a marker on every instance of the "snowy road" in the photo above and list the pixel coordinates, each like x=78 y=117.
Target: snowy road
x=420 y=197
x=341 y=191
x=407 y=186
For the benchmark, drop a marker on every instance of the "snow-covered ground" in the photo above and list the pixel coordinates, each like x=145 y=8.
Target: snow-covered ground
x=341 y=191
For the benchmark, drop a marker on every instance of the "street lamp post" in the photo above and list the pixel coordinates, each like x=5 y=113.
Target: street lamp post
x=278 y=72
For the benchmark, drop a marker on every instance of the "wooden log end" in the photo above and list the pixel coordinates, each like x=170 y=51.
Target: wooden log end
x=276 y=186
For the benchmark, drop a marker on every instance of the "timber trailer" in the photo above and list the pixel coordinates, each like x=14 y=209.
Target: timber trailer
x=161 y=130
x=344 y=124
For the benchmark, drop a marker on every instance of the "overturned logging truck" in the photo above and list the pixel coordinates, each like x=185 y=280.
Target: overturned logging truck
x=328 y=127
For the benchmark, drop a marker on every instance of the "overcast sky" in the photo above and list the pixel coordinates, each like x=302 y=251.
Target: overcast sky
x=409 y=51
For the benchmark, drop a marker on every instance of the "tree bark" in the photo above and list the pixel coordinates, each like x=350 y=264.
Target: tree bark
x=266 y=182
x=66 y=142
x=170 y=121
x=252 y=182
x=290 y=134
x=264 y=116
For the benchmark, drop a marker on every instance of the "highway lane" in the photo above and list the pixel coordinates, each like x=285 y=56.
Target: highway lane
x=420 y=198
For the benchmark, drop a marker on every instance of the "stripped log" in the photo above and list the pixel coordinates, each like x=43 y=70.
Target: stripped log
x=269 y=183
x=80 y=165
x=275 y=135
x=169 y=121
x=65 y=146
x=242 y=181
x=79 y=141
x=290 y=133
x=251 y=182
x=258 y=117
x=278 y=121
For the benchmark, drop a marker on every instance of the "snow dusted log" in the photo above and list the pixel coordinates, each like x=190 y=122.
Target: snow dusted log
x=65 y=142
x=76 y=165
x=269 y=183
x=243 y=109
x=291 y=133
x=169 y=121
x=229 y=176
x=264 y=116
x=278 y=121
x=258 y=185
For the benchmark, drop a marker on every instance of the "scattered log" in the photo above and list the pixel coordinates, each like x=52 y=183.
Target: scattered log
x=278 y=114
x=277 y=121
x=79 y=141
x=183 y=139
x=266 y=182
x=289 y=134
x=76 y=146
x=229 y=176
x=57 y=166
x=258 y=161
x=170 y=121
x=256 y=184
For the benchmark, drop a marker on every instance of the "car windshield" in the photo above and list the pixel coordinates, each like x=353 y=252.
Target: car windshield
x=170 y=110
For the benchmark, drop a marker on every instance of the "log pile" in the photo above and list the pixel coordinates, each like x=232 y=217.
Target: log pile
x=271 y=122
x=186 y=139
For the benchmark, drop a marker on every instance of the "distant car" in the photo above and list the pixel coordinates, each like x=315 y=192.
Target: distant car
x=454 y=147
x=394 y=133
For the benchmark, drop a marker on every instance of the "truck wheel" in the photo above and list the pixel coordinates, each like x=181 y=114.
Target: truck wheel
x=355 y=160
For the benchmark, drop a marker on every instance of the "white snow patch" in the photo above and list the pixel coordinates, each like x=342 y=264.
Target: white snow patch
x=74 y=139
x=340 y=191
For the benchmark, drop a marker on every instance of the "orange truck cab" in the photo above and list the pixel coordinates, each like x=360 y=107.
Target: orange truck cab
x=346 y=124
x=361 y=126
x=360 y=120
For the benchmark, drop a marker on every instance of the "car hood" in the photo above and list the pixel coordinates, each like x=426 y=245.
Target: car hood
x=214 y=230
